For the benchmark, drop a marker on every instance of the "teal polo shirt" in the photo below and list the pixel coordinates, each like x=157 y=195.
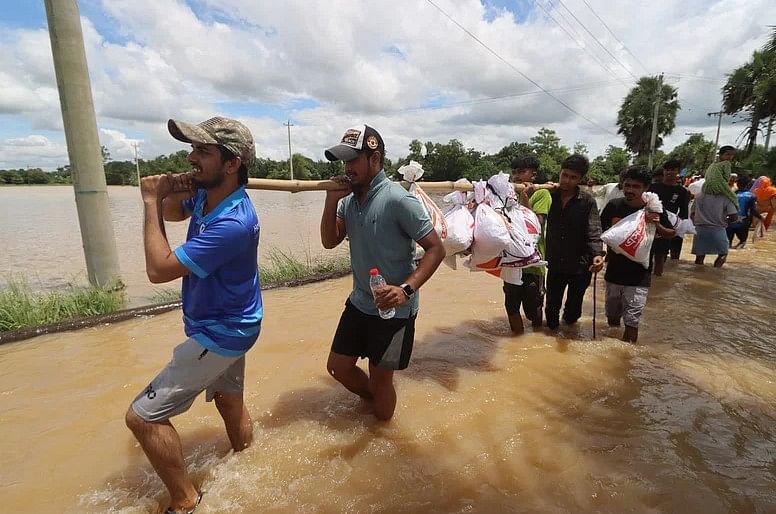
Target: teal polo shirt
x=382 y=232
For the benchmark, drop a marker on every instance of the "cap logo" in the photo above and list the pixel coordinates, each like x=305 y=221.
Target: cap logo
x=351 y=137
x=371 y=142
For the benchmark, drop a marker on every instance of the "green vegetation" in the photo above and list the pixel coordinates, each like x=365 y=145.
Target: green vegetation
x=635 y=116
x=21 y=307
x=284 y=267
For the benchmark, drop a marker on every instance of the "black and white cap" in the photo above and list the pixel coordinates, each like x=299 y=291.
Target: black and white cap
x=358 y=139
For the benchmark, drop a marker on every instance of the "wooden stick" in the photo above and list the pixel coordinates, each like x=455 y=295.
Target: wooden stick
x=295 y=186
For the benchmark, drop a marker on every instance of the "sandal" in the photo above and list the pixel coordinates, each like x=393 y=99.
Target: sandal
x=190 y=511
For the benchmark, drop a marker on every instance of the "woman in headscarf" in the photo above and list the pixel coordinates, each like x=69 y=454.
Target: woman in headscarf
x=714 y=209
x=765 y=193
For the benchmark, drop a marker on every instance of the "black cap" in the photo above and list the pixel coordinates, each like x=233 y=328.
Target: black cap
x=356 y=140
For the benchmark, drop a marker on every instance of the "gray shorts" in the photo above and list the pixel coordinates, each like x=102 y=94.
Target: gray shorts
x=193 y=369
x=626 y=302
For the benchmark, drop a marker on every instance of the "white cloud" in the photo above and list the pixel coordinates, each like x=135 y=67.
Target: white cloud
x=377 y=64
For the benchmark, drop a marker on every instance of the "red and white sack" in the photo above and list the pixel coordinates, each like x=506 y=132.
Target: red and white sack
x=411 y=173
x=460 y=223
x=632 y=236
x=491 y=229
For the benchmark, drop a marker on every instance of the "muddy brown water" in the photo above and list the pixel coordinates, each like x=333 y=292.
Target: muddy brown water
x=682 y=422
x=42 y=242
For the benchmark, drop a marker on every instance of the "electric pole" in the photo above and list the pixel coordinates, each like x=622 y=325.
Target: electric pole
x=658 y=99
x=83 y=144
x=137 y=164
x=290 y=155
x=719 y=125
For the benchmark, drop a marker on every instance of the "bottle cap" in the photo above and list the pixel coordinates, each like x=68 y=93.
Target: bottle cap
x=374 y=271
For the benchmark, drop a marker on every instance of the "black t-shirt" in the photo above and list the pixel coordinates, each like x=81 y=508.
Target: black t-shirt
x=674 y=198
x=619 y=269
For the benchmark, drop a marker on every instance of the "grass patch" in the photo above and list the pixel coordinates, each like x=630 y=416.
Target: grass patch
x=285 y=267
x=166 y=296
x=21 y=307
x=281 y=268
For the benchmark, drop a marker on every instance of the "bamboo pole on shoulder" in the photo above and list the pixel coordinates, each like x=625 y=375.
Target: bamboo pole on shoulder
x=295 y=186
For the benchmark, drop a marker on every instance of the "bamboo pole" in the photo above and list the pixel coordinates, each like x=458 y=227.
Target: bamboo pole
x=295 y=186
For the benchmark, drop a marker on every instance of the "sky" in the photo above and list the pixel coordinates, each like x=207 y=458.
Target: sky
x=484 y=72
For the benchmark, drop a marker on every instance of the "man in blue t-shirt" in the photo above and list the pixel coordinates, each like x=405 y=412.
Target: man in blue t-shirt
x=222 y=307
x=747 y=211
x=382 y=222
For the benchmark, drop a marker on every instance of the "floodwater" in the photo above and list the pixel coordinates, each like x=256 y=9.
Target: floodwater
x=31 y=214
x=683 y=422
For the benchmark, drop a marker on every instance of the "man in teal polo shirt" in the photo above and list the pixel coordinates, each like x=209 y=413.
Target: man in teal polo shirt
x=382 y=222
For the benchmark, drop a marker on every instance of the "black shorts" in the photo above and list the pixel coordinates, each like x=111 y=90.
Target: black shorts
x=530 y=294
x=387 y=343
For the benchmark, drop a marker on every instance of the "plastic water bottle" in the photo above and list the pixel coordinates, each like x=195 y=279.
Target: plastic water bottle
x=376 y=281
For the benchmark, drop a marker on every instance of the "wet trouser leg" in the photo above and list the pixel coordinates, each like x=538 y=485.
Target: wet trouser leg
x=556 y=286
x=577 y=285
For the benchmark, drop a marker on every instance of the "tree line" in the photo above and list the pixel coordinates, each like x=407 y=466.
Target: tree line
x=441 y=162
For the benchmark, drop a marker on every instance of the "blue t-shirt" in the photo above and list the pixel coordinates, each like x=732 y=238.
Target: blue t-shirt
x=222 y=306
x=746 y=201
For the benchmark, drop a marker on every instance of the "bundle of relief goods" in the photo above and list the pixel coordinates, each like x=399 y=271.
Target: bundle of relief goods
x=411 y=173
x=682 y=227
x=491 y=229
x=460 y=223
x=517 y=247
x=696 y=187
x=632 y=236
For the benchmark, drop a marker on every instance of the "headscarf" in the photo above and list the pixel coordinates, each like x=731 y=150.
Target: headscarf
x=717 y=176
x=763 y=189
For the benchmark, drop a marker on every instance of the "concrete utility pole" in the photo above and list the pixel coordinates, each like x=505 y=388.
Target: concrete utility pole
x=137 y=165
x=290 y=155
x=719 y=125
x=83 y=144
x=658 y=99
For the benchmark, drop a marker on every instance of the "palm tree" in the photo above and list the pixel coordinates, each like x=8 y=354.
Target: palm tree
x=751 y=89
x=635 y=115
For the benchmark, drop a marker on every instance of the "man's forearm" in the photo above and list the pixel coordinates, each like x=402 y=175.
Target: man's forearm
x=426 y=266
x=330 y=237
x=157 y=249
x=172 y=208
x=665 y=232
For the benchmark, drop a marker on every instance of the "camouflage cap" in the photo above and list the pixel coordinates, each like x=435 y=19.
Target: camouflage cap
x=231 y=134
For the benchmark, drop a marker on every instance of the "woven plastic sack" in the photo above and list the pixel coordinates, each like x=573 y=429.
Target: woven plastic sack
x=460 y=224
x=632 y=236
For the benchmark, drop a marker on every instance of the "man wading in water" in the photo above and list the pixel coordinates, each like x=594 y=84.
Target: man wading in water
x=627 y=282
x=382 y=222
x=574 y=249
x=222 y=306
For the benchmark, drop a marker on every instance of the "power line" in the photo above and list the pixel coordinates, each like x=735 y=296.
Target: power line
x=592 y=85
x=596 y=40
x=583 y=47
x=615 y=37
x=526 y=77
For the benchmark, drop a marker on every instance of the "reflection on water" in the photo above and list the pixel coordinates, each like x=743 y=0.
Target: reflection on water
x=42 y=240
x=486 y=422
